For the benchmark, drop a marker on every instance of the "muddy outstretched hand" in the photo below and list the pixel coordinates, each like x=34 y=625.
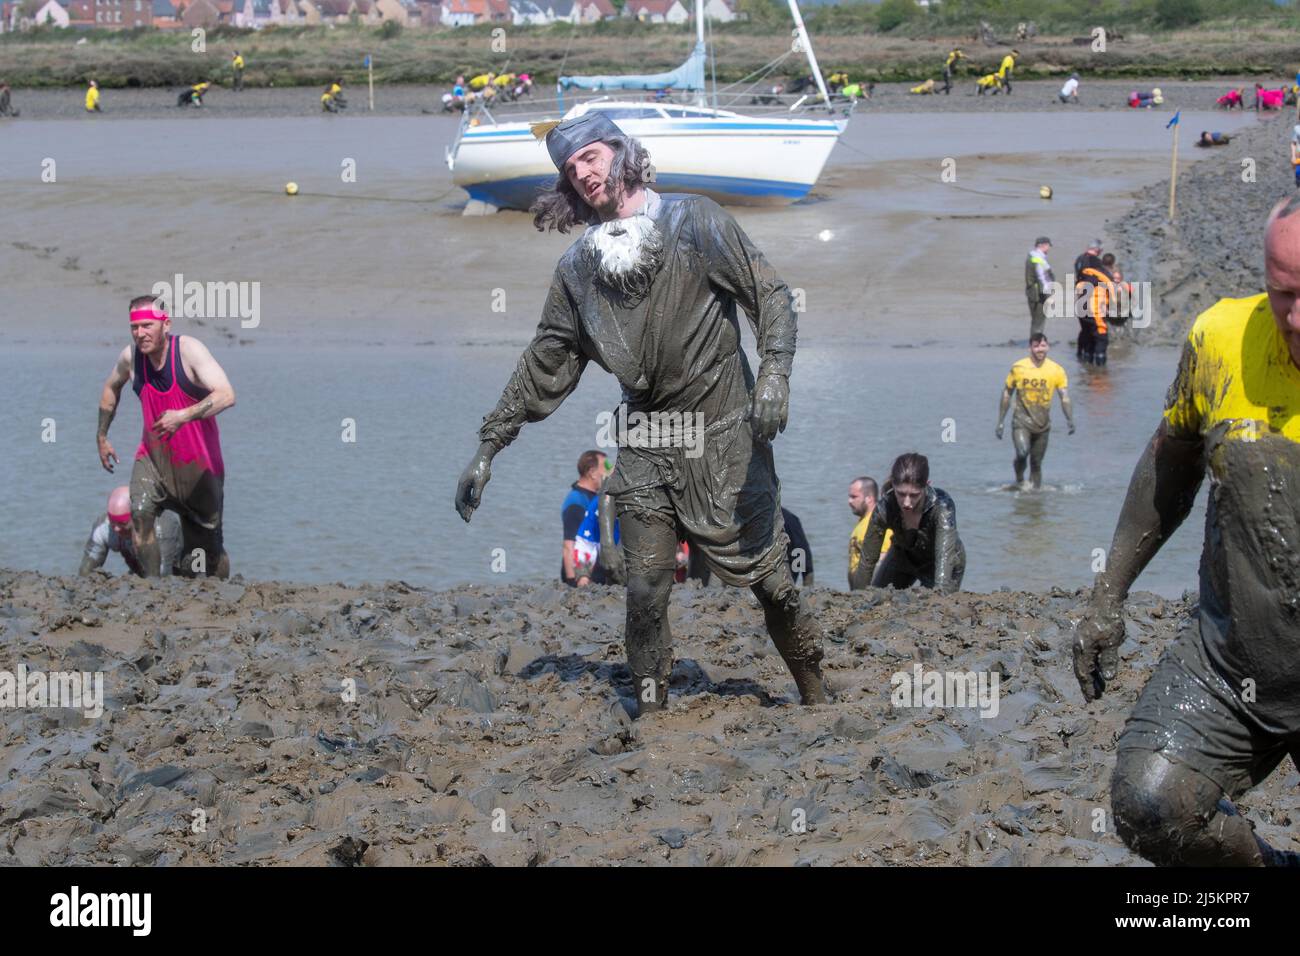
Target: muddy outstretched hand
x=1097 y=639
x=771 y=408
x=469 y=491
x=611 y=559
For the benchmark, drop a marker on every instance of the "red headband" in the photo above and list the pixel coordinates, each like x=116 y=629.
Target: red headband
x=151 y=314
x=120 y=519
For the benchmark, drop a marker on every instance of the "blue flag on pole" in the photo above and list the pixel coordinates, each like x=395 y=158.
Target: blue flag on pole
x=367 y=63
x=1172 y=122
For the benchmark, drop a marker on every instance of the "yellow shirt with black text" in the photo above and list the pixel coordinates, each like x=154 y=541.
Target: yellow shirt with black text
x=1034 y=386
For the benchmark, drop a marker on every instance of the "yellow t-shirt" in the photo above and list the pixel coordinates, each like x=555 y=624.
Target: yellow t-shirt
x=1008 y=64
x=238 y=63
x=1238 y=392
x=478 y=82
x=92 y=98
x=1235 y=375
x=855 y=541
x=1034 y=387
x=989 y=79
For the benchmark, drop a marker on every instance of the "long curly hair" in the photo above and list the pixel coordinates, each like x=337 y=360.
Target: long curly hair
x=559 y=206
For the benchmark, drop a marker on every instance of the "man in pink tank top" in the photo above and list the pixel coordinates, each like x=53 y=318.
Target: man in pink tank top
x=178 y=465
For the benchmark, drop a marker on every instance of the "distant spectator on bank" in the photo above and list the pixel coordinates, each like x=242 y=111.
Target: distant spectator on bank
x=6 y=107
x=1070 y=91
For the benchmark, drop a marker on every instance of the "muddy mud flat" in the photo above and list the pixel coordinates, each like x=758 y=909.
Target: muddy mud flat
x=267 y=724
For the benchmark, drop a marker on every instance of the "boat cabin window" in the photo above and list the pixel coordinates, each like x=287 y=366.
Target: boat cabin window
x=631 y=112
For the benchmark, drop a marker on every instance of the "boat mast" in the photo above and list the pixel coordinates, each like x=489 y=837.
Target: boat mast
x=808 y=50
x=700 y=98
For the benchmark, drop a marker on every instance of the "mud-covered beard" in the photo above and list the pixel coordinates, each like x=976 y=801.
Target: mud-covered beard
x=628 y=253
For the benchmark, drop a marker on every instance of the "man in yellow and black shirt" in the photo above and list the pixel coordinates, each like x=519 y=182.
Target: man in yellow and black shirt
x=1222 y=708
x=950 y=68
x=1006 y=68
x=237 y=64
x=863 y=493
x=1033 y=380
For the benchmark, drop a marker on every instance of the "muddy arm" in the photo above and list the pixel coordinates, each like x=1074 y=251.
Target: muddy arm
x=1002 y=409
x=611 y=553
x=947 y=546
x=546 y=374
x=737 y=268
x=1067 y=406
x=1160 y=496
x=94 y=554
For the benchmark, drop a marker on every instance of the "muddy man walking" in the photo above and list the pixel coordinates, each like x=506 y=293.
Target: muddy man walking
x=650 y=293
x=1221 y=710
x=178 y=465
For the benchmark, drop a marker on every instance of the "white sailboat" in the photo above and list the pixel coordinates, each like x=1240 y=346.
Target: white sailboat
x=766 y=158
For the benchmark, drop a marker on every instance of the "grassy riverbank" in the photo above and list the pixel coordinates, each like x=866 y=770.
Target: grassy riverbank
x=304 y=56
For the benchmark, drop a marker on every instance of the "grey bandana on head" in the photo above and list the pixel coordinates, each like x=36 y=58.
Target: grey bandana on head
x=573 y=134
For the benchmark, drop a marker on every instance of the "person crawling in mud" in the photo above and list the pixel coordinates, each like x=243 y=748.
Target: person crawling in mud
x=111 y=532
x=649 y=293
x=1222 y=708
x=923 y=522
x=178 y=464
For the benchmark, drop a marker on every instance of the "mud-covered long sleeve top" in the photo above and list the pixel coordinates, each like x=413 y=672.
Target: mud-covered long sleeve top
x=678 y=348
x=933 y=545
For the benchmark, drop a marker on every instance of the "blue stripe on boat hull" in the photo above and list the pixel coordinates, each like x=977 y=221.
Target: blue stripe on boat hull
x=519 y=193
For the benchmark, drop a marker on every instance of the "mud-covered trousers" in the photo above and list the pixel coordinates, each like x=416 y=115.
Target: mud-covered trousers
x=649 y=531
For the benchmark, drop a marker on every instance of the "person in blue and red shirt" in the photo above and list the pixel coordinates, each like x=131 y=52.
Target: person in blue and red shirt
x=585 y=492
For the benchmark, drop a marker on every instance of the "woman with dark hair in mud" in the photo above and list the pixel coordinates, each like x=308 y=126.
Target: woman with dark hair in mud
x=923 y=520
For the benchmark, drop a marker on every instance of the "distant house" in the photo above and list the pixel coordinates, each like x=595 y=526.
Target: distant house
x=200 y=13
x=165 y=15
x=393 y=10
x=527 y=13
x=464 y=13
x=81 y=14
x=589 y=11
x=425 y=13
x=123 y=14
x=324 y=11
x=51 y=14
x=290 y=12
x=721 y=11
x=657 y=11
